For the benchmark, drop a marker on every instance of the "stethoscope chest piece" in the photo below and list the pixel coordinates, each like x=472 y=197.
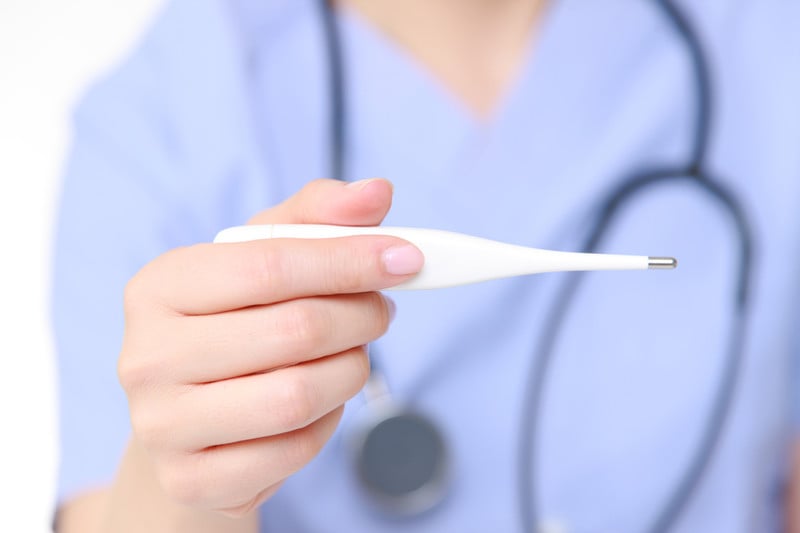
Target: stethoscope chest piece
x=400 y=458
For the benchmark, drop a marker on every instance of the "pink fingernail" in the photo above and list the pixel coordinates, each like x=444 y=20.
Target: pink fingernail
x=403 y=260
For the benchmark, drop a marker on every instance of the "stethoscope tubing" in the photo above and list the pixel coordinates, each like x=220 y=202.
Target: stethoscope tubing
x=694 y=172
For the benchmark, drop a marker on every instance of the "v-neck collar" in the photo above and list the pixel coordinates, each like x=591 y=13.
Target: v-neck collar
x=560 y=121
x=390 y=92
x=436 y=87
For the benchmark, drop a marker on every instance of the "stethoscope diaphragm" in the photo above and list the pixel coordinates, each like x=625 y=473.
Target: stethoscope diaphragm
x=401 y=459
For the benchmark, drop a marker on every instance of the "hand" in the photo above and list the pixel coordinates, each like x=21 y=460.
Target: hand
x=238 y=358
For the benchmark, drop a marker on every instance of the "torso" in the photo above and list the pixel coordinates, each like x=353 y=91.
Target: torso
x=606 y=93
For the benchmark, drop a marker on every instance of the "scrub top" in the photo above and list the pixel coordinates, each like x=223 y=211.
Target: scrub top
x=222 y=111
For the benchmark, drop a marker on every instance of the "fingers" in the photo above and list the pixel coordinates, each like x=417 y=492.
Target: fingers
x=361 y=203
x=226 y=358
x=262 y=338
x=212 y=278
x=258 y=405
x=227 y=477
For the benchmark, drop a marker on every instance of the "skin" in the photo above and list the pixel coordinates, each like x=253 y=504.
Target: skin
x=237 y=358
x=473 y=48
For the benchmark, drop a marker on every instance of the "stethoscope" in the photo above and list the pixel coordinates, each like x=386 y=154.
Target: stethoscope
x=400 y=454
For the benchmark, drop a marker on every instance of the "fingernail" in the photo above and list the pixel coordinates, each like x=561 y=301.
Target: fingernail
x=391 y=307
x=360 y=184
x=403 y=260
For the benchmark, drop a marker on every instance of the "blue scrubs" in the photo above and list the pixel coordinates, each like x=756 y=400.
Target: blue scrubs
x=221 y=111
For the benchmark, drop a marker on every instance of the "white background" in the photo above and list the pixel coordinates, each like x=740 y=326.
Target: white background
x=49 y=50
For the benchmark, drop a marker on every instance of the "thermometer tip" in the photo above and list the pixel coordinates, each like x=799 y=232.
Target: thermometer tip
x=662 y=263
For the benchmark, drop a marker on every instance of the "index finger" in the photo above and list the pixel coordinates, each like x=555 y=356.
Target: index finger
x=213 y=278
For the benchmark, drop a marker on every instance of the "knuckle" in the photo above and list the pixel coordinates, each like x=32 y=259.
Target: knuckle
x=311 y=187
x=134 y=372
x=267 y=267
x=150 y=426
x=349 y=271
x=380 y=310
x=300 y=448
x=133 y=296
x=306 y=326
x=181 y=481
x=297 y=403
x=261 y=266
x=138 y=293
x=355 y=267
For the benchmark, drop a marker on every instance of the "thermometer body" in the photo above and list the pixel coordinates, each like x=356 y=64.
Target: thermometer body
x=455 y=258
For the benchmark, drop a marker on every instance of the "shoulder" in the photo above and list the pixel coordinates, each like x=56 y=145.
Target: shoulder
x=193 y=61
x=754 y=50
x=195 y=54
x=193 y=43
x=765 y=31
x=179 y=105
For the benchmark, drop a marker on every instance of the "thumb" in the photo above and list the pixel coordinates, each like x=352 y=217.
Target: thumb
x=327 y=201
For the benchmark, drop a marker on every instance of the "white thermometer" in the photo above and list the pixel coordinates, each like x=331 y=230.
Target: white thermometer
x=454 y=258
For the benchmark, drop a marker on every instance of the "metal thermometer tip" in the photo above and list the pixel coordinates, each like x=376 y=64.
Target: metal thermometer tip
x=662 y=263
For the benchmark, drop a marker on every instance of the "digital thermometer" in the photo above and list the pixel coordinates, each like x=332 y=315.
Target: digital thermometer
x=455 y=258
